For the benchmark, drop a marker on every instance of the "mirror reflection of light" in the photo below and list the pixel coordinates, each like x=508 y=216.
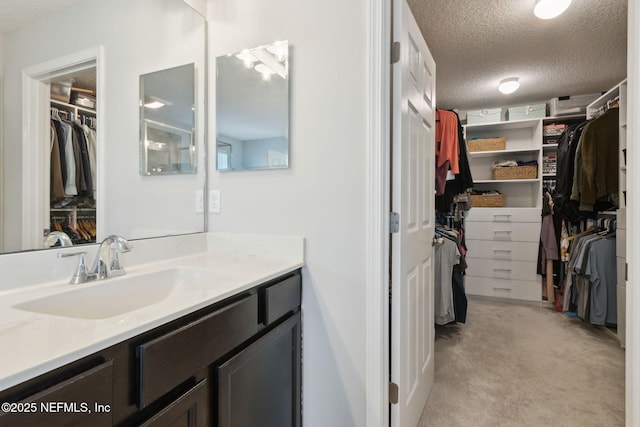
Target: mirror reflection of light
x=279 y=50
x=265 y=70
x=247 y=58
x=154 y=105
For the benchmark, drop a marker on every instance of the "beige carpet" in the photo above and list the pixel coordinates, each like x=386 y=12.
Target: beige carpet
x=520 y=365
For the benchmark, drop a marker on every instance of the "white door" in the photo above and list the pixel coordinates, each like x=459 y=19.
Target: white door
x=413 y=184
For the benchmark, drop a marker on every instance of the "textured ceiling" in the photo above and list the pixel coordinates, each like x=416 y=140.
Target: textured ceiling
x=476 y=43
x=15 y=13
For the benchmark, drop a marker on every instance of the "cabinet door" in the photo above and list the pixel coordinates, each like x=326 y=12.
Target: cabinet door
x=82 y=400
x=260 y=386
x=189 y=410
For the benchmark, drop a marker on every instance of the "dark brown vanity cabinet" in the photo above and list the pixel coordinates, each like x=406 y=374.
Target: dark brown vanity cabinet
x=235 y=363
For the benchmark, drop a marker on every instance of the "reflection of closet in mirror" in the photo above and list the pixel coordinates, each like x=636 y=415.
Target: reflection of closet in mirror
x=73 y=144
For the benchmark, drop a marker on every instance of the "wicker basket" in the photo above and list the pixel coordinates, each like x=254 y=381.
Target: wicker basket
x=516 y=172
x=487 y=200
x=491 y=144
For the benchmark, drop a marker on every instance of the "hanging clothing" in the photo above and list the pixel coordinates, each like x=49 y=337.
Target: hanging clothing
x=55 y=176
x=446 y=255
x=600 y=159
x=447 y=140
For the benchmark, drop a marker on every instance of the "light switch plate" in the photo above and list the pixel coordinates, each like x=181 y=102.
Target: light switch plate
x=214 y=201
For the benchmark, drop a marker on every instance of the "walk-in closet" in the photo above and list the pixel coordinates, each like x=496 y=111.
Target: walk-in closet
x=73 y=165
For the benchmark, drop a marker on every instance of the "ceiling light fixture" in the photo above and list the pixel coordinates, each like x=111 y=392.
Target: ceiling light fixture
x=508 y=85
x=548 y=9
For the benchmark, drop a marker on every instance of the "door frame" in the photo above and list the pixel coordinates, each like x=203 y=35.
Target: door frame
x=377 y=370
x=377 y=217
x=632 y=353
x=35 y=138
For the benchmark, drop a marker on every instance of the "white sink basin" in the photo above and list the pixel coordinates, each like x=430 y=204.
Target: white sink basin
x=112 y=297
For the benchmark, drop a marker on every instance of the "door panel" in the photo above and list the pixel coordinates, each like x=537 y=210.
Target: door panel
x=413 y=184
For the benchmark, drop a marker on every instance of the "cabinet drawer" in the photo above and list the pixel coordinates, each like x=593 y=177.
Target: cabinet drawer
x=79 y=394
x=281 y=298
x=509 y=251
x=500 y=288
x=503 y=215
x=189 y=410
x=515 y=232
x=167 y=361
x=500 y=269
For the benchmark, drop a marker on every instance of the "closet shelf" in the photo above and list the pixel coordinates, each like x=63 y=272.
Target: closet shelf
x=545 y=146
x=78 y=107
x=502 y=152
x=498 y=181
x=515 y=124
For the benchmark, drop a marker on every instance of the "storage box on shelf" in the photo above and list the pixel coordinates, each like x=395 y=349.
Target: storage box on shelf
x=489 y=144
x=525 y=112
x=487 y=115
x=570 y=105
x=515 y=172
x=487 y=200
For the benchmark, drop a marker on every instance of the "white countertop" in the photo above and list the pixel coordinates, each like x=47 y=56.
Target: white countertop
x=34 y=343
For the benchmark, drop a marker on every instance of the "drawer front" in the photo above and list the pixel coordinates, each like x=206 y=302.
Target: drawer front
x=167 y=361
x=502 y=250
x=513 y=232
x=503 y=215
x=80 y=394
x=500 y=288
x=500 y=269
x=281 y=298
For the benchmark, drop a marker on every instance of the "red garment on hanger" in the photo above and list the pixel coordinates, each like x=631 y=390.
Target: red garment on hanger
x=447 y=139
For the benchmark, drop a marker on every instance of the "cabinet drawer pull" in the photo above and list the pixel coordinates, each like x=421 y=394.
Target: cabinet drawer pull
x=508 y=251
x=502 y=231
x=502 y=269
x=502 y=289
x=506 y=216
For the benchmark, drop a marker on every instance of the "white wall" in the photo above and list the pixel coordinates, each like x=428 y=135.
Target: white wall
x=322 y=196
x=139 y=37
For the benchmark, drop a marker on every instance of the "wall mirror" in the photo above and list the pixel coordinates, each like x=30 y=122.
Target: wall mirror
x=72 y=38
x=167 y=121
x=252 y=108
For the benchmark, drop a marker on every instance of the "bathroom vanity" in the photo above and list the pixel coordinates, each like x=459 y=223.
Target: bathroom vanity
x=224 y=353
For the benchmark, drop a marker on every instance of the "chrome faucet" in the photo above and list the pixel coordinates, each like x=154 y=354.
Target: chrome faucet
x=52 y=237
x=107 y=263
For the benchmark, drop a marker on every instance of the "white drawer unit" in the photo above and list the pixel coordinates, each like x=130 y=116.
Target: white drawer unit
x=501 y=288
x=502 y=255
x=514 y=232
x=503 y=215
x=502 y=250
x=500 y=269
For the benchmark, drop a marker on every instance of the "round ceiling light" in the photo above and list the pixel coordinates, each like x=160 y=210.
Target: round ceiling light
x=509 y=85
x=548 y=9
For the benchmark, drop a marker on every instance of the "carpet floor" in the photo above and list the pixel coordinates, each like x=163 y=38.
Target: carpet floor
x=523 y=365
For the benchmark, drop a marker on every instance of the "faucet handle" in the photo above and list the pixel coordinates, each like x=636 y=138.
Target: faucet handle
x=80 y=275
